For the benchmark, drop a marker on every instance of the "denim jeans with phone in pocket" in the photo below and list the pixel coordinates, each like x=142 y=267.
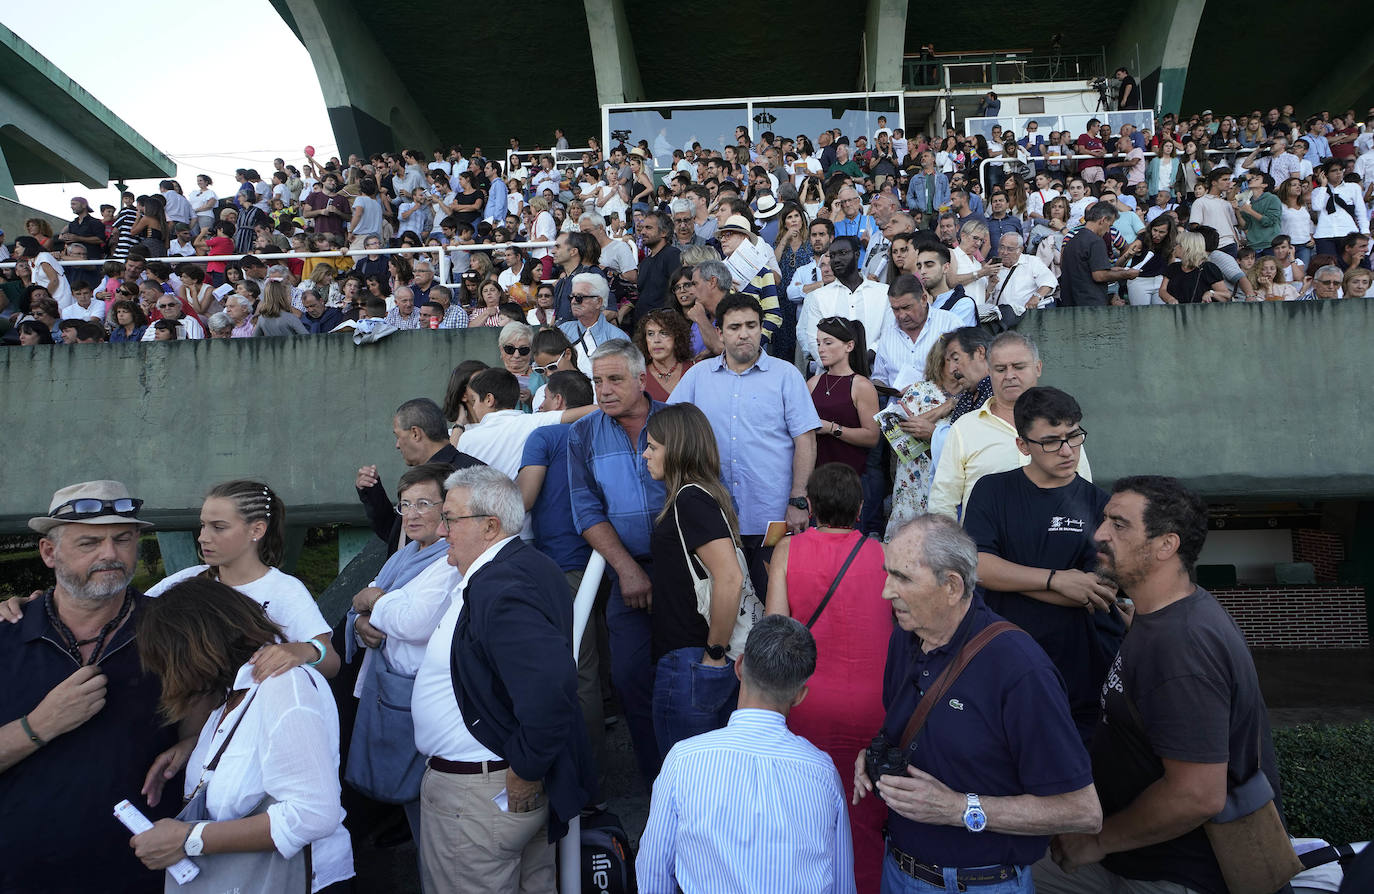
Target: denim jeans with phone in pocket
x=691 y=698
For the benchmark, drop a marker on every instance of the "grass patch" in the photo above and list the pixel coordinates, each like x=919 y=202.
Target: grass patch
x=1327 y=773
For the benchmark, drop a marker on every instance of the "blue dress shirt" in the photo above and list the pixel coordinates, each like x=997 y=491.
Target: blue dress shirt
x=609 y=481
x=755 y=416
x=749 y=807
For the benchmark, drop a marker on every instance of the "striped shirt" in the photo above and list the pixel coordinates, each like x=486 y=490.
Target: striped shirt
x=750 y=807
x=124 y=225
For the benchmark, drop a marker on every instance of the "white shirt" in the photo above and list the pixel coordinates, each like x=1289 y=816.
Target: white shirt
x=965 y=263
x=619 y=255
x=286 y=745
x=499 y=439
x=442 y=166
x=175 y=248
x=867 y=304
x=900 y=360
x=199 y=197
x=1339 y=223
x=804 y=275
x=187 y=328
x=439 y=728
x=59 y=289
x=176 y=208
x=1018 y=284
x=1079 y=208
x=408 y=616
x=93 y=311
x=1217 y=213
x=804 y=167
x=288 y=603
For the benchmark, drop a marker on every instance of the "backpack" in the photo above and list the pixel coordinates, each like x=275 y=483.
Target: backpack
x=608 y=866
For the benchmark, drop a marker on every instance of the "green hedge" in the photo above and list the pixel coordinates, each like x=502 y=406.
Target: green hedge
x=1327 y=774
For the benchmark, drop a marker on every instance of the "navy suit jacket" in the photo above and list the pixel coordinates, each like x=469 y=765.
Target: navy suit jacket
x=515 y=677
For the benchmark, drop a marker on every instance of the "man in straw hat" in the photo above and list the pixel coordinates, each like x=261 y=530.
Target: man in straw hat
x=79 y=729
x=742 y=250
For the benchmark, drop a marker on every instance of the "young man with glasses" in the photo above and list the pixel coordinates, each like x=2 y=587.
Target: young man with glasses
x=1036 y=558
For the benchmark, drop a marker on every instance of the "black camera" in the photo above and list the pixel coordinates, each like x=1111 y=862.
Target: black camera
x=882 y=758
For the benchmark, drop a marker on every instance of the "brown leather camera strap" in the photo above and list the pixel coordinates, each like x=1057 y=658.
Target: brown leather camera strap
x=947 y=677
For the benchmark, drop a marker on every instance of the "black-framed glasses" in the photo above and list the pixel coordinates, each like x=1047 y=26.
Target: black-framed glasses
x=578 y=299
x=415 y=507
x=1054 y=445
x=512 y=350
x=90 y=507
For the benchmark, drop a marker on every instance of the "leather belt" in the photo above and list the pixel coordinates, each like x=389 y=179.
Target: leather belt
x=465 y=768
x=935 y=875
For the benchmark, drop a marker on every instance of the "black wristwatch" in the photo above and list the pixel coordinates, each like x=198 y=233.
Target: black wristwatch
x=799 y=502
x=715 y=653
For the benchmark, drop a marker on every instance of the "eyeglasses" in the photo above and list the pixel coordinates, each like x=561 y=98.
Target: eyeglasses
x=91 y=507
x=1054 y=445
x=450 y=519
x=168 y=306
x=1328 y=282
x=549 y=368
x=512 y=350
x=416 y=507
x=578 y=299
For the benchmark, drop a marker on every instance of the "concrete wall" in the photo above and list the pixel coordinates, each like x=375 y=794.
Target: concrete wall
x=170 y=420
x=1259 y=401
x=1241 y=401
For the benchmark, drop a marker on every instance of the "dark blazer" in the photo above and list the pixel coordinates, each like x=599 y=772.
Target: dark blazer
x=381 y=514
x=515 y=677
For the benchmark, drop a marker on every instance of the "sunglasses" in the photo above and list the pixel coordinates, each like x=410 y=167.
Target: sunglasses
x=512 y=350
x=578 y=299
x=548 y=369
x=91 y=508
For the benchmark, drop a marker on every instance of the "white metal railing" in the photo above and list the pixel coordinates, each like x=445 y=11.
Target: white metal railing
x=445 y=264
x=561 y=157
x=1140 y=118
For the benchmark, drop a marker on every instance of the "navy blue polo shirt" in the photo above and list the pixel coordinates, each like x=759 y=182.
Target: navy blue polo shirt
x=57 y=829
x=1003 y=728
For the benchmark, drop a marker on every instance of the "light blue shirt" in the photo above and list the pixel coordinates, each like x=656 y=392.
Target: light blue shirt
x=749 y=807
x=755 y=415
x=496 y=202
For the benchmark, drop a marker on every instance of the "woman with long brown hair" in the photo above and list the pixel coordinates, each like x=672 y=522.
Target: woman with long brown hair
x=263 y=776
x=695 y=536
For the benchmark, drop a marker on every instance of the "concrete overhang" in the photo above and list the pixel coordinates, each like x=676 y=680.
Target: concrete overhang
x=52 y=130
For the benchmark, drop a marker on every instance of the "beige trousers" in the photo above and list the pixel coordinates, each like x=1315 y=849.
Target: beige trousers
x=1093 y=879
x=468 y=845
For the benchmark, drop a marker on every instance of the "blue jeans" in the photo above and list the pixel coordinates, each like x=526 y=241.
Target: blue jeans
x=691 y=698
x=897 y=882
x=632 y=674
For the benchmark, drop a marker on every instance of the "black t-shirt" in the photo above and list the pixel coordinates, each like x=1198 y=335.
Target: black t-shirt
x=1188 y=288
x=1010 y=517
x=676 y=622
x=91 y=226
x=1186 y=672
x=654 y=271
x=1132 y=101
x=467 y=198
x=1083 y=254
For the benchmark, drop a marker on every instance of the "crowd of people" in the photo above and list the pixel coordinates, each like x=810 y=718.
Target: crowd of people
x=726 y=399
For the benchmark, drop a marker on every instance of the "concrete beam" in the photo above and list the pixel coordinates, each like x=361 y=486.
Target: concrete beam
x=1346 y=78
x=370 y=108
x=1156 y=39
x=884 y=43
x=38 y=133
x=613 y=52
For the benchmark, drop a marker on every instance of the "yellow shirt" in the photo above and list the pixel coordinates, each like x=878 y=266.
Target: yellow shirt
x=979 y=444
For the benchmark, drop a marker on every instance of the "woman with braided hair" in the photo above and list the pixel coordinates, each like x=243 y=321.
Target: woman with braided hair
x=242 y=539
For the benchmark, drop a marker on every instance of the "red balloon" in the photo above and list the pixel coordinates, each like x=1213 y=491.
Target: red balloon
x=309 y=151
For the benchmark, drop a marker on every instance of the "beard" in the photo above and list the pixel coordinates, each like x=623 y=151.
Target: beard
x=92 y=589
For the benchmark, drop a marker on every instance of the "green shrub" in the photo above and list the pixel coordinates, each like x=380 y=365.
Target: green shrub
x=1327 y=774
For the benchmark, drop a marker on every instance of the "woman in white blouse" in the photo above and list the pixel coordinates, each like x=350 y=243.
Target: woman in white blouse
x=242 y=538
x=266 y=760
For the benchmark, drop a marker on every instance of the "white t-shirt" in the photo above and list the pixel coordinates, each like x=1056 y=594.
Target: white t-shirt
x=499 y=439
x=1079 y=208
x=619 y=255
x=288 y=603
x=93 y=311
x=60 y=290
x=199 y=197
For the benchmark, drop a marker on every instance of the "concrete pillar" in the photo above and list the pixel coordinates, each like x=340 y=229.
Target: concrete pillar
x=7 y=189
x=884 y=43
x=370 y=108
x=613 y=53
x=1156 y=38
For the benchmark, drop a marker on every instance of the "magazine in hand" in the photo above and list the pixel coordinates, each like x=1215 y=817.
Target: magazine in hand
x=921 y=397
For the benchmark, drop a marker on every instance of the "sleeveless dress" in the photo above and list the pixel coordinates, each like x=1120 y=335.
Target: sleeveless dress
x=837 y=406
x=843 y=708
